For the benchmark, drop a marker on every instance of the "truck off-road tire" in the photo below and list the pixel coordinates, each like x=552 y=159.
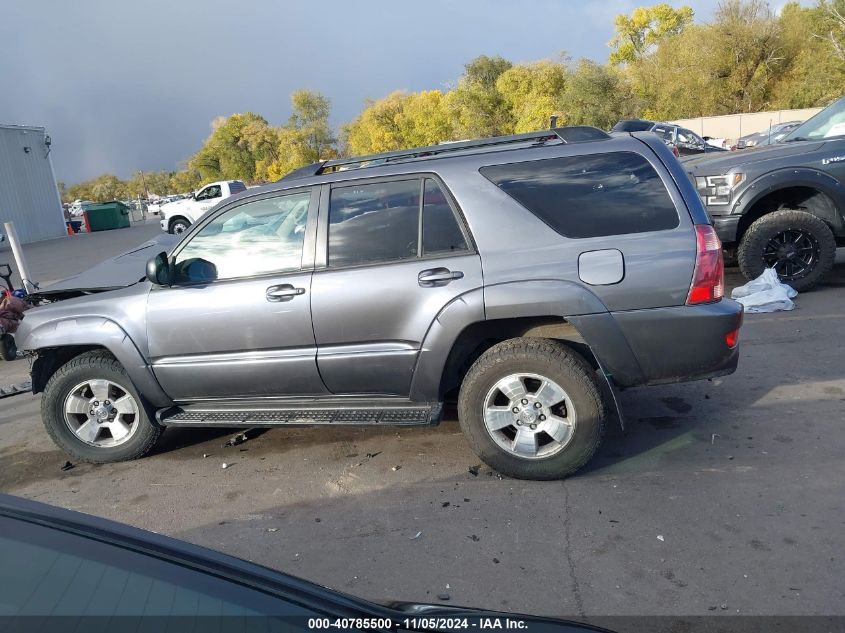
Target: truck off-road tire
x=532 y=408
x=799 y=245
x=178 y=225
x=93 y=412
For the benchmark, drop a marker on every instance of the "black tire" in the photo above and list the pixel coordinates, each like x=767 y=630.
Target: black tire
x=764 y=231
x=178 y=225
x=552 y=360
x=8 y=349
x=87 y=366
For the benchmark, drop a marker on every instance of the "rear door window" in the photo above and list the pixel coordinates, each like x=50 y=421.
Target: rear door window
x=442 y=234
x=590 y=196
x=374 y=222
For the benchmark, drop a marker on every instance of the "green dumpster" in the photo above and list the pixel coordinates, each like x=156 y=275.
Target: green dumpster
x=107 y=216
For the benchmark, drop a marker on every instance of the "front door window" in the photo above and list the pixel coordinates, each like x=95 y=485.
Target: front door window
x=258 y=237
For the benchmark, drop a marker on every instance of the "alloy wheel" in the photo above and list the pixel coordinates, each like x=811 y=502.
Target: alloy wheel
x=101 y=413
x=529 y=416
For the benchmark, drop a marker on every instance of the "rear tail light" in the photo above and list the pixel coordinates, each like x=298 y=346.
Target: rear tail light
x=708 y=280
x=732 y=338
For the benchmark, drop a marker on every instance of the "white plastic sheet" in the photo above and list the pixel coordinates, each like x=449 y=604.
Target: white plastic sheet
x=765 y=294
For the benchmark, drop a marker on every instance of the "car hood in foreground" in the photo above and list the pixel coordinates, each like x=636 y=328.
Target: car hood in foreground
x=122 y=270
x=263 y=579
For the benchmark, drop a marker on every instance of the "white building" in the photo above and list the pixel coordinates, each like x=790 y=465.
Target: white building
x=29 y=196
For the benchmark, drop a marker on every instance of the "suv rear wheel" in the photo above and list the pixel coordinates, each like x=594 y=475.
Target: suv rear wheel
x=93 y=412
x=798 y=245
x=532 y=408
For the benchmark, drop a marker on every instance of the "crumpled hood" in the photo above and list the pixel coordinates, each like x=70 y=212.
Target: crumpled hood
x=722 y=162
x=122 y=270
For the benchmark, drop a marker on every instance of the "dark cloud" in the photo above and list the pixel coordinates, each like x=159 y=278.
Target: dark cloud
x=127 y=85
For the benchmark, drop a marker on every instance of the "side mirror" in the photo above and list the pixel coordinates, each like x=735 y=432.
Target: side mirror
x=158 y=270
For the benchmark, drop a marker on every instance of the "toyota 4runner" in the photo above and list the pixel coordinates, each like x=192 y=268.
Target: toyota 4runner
x=527 y=276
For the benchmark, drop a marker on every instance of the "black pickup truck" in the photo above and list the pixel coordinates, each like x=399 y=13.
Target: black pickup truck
x=781 y=205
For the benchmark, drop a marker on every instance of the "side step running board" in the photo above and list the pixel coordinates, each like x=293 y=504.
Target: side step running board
x=418 y=414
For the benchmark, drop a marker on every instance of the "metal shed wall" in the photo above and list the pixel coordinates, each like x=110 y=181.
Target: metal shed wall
x=28 y=193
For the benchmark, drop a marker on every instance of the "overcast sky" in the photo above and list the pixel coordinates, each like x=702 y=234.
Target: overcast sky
x=125 y=85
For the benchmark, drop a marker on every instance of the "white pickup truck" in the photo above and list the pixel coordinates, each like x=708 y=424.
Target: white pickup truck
x=177 y=216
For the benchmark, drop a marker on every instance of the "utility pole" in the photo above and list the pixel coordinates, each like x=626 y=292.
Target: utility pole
x=146 y=195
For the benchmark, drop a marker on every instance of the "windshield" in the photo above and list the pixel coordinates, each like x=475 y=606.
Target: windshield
x=829 y=123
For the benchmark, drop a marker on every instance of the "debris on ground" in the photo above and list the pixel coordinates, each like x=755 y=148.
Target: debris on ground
x=13 y=390
x=474 y=537
x=713 y=437
x=272 y=529
x=240 y=438
x=395 y=468
x=766 y=293
x=224 y=465
x=415 y=536
x=496 y=561
x=368 y=458
x=204 y=455
x=724 y=607
x=473 y=470
x=660 y=538
x=67 y=466
x=443 y=596
x=445 y=504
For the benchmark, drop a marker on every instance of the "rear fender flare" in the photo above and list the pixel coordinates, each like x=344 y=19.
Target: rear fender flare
x=540 y=298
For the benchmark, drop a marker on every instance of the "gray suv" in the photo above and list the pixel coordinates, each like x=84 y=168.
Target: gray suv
x=528 y=277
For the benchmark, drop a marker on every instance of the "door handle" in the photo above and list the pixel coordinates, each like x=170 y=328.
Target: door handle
x=438 y=277
x=285 y=292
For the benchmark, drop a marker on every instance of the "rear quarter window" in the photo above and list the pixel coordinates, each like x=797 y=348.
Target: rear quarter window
x=596 y=195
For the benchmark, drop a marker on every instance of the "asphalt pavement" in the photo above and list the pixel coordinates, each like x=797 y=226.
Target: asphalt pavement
x=723 y=497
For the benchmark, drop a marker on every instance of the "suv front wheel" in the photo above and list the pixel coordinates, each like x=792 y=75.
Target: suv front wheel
x=532 y=408
x=798 y=245
x=91 y=410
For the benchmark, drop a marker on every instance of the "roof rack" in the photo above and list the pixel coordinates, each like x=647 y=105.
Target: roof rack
x=573 y=134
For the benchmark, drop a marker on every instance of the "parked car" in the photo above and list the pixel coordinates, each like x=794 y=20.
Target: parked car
x=516 y=274
x=686 y=142
x=783 y=205
x=772 y=135
x=178 y=215
x=60 y=566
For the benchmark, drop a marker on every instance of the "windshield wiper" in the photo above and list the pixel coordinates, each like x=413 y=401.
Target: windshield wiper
x=795 y=138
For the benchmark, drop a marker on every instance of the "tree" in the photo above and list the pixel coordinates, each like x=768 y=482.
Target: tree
x=477 y=107
x=226 y=153
x=377 y=128
x=185 y=181
x=640 y=33
x=307 y=137
x=399 y=120
x=597 y=95
x=832 y=26
x=531 y=94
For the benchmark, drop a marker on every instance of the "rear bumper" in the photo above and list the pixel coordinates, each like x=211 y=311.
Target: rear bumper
x=682 y=343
